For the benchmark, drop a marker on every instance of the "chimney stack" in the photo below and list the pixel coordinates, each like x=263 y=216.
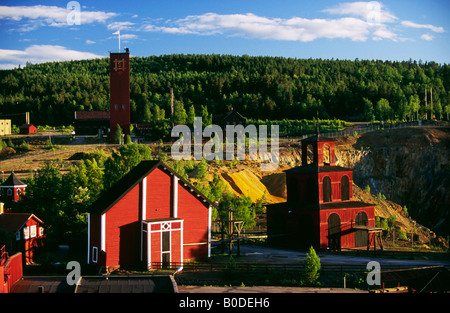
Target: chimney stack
x=171 y=101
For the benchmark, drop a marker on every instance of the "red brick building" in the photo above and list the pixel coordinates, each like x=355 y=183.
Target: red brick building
x=320 y=210
x=119 y=79
x=151 y=217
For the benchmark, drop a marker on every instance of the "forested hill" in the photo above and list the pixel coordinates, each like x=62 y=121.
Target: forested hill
x=257 y=87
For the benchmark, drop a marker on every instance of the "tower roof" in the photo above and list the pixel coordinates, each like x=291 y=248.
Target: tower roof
x=12 y=181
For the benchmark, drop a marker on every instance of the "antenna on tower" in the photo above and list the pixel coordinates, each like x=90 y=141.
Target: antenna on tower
x=317 y=123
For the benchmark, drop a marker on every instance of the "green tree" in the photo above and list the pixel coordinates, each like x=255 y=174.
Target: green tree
x=122 y=161
x=190 y=115
x=312 y=267
x=202 y=169
x=118 y=136
x=179 y=113
x=368 y=110
x=383 y=109
x=242 y=207
x=414 y=106
x=206 y=117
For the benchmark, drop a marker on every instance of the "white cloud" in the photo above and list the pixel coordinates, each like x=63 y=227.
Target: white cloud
x=43 y=53
x=253 y=26
x=32 y=17
x=435 y=29
x=427 y=37
x=90 y=42
x=121 y=26
x=372 y=11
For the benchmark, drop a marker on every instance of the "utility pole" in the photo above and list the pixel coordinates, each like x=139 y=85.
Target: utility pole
x=426 y=106
x=431 y=94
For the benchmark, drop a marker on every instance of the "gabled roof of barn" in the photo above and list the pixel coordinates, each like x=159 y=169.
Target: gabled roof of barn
x=110 y=197
x=12 y=222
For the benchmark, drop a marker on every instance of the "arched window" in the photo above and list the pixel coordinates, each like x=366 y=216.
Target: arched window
x=361 y=236
x=345 y=190
x=326 y=187
x=9 y=192
x=334 y=229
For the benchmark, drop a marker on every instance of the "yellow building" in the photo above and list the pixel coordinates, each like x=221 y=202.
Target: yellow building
x=5 y=127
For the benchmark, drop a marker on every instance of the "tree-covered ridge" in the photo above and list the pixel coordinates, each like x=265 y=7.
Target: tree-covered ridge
x=258 y=87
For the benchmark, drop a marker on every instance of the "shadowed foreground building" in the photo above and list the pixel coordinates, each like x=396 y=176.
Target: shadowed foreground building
x=320 y=210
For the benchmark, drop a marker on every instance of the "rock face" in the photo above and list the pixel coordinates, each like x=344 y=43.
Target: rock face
x=409 y=166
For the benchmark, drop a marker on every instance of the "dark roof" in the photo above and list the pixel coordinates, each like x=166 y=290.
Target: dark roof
x=92 y=115
x=12 y=222
x=109 y=198
x=220 y=118
x=13 y=181
x=42 y=285
x=318 y=138
x=317 y=169
x=127 y=284
x=27 y=126
x=97 y=284
x=322 y=206
x=423 y=279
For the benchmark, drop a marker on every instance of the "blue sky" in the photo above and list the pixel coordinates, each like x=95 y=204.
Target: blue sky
x=41 y=31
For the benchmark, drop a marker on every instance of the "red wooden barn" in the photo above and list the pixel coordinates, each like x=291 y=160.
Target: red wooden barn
x=25 y=233
x=320 y=210
x=151 y=217
x=28 y=129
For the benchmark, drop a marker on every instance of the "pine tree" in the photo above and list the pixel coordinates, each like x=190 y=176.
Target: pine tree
x=118 y=135
x=312 y=267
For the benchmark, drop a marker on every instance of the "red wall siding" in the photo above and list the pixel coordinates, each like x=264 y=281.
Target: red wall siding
x=335 y=185
x=176 y=246
x=13 y=271
x=156 y=247
x=32 y=244
x=347 y=217
x=195 y=216
x=158 y=194
x=125 y=212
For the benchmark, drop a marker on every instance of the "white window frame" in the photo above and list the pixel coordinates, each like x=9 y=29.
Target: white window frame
x=32 y=231
x=26 y=233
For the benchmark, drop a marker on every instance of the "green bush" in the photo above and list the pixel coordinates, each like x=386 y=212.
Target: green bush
x=312 y=268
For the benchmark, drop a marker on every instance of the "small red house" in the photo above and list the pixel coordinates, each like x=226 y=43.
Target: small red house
x=151 y=217
x=28 y=129
x=320 y=210
x=25 y=233
x=12 y=189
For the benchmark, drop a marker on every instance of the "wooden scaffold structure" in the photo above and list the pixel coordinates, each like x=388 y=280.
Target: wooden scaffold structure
x=233 y=230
